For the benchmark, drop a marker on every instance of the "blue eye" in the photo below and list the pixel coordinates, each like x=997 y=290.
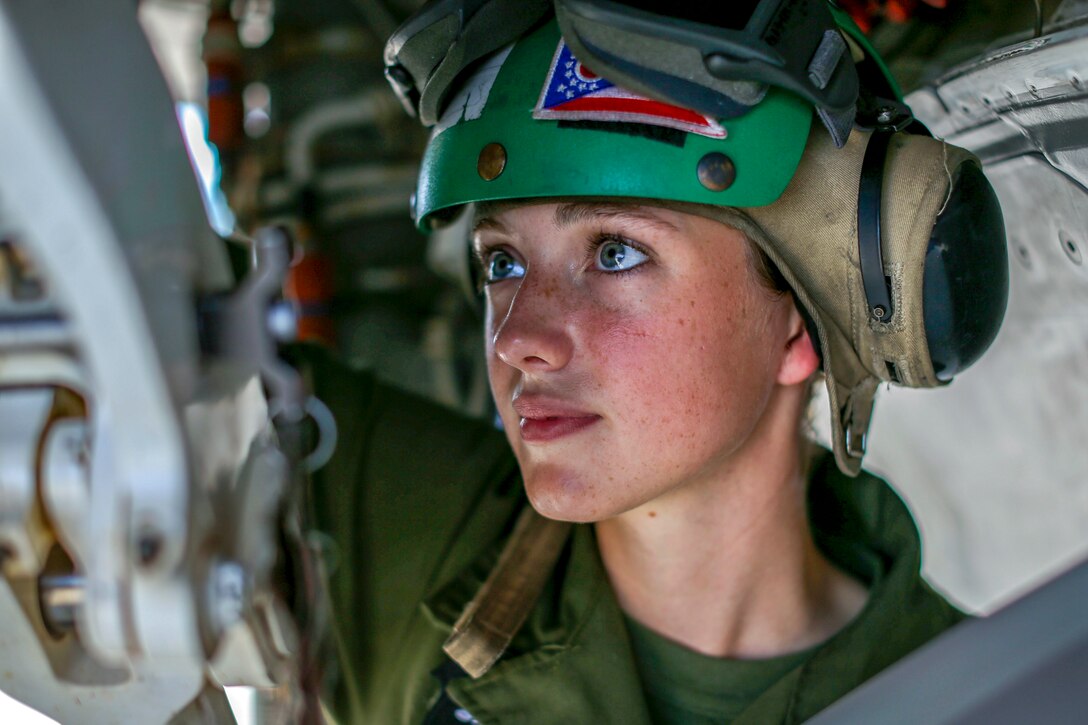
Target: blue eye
x=501 y=265
x=617 y=257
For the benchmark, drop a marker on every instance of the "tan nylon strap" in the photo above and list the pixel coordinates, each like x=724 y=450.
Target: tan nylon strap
x=496 y=613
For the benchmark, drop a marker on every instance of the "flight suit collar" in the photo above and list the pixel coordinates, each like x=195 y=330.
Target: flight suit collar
x=865 y=529
x=572 y=661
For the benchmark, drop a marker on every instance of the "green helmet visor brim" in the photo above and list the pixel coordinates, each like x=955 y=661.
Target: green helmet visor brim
x=549 y=158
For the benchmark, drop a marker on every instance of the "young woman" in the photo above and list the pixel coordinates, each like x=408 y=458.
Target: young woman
x=660 y=292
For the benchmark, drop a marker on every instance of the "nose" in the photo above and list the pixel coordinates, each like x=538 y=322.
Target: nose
x=530 y=332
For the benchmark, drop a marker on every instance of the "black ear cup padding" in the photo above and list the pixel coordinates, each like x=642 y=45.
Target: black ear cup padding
x=966 y=282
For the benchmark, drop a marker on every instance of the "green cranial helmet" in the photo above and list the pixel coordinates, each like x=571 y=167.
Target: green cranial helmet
x=533 y=122
x=892 y=243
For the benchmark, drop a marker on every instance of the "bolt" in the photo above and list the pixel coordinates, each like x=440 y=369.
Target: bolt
x=879 y=311
x=282 y=321
x=149 y=546
x=61 y=596
x=227 y=593
x=716 y=171
x=491 y=162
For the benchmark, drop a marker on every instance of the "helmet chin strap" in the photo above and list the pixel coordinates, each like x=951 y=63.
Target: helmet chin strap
x=878 y=293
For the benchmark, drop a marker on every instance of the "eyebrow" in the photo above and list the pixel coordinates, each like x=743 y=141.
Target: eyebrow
x=570 y=213
x=488 y=222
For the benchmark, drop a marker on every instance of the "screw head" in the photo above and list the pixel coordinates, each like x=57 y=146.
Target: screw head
x=227 y=593
x=282 y=321
x=1070 y=247
x=491 y=162
x=879 y=312
x=716 y=171
x=149 y=546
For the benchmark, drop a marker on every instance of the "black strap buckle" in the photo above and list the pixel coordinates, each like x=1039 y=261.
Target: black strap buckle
x=883 y=114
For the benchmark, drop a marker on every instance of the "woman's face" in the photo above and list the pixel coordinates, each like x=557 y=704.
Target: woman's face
x=632 y=350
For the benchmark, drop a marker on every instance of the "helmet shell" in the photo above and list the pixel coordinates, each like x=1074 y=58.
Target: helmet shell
x=553 y=158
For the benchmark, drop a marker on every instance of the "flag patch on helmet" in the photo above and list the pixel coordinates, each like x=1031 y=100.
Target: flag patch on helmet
x=573 y=92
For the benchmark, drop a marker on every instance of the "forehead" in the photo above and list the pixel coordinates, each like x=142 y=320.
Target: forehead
x=568 y=213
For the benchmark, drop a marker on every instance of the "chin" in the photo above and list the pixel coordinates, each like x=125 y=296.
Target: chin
x=565 y=496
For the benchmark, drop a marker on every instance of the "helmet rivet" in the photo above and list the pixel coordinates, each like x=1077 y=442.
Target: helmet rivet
x=716 y=171
x=491 y=162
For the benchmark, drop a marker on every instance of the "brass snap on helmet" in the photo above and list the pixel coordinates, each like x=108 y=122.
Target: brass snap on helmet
x=892 y=242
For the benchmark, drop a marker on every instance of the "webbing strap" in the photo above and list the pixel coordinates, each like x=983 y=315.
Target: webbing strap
x=878 y=293
x=484 y=630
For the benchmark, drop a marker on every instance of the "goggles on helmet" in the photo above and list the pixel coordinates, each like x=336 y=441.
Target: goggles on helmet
x=425 y=56
x=717 y=59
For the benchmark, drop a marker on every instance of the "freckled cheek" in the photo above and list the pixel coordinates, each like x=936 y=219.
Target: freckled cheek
x=673 y=369
x=623 y=349
x=645 y=365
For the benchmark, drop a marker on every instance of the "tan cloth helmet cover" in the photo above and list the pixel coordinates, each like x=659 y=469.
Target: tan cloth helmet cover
x=810 y=232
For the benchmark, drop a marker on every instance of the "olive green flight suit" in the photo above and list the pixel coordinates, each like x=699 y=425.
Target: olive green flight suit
x=418 y=502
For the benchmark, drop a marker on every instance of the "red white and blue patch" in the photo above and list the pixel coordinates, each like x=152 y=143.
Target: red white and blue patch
x=573 y=92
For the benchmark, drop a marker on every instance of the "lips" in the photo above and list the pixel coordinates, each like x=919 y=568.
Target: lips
x=546 y=419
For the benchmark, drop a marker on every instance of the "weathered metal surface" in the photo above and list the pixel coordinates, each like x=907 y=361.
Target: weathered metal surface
x=115 y=511
x=1025 y=664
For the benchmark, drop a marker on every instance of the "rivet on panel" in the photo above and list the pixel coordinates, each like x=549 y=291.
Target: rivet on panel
x=1024 y=255
x=1070 y=247
x=716 y=171
x=491 y=162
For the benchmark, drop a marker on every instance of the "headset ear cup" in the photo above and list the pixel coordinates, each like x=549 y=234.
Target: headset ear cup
x=966 y=277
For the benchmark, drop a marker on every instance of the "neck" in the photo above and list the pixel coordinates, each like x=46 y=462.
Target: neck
x=726 y=564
